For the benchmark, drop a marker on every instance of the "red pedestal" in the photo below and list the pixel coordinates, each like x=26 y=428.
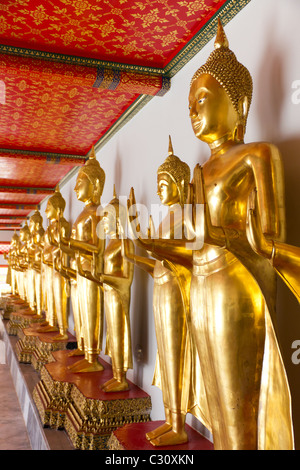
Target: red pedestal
x=133 y=437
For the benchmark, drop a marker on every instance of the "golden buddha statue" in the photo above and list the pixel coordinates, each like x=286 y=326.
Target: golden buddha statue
x=56 y=295
x=284 y=258
x=30 y=270
x=243 y=395
x=170 y=300
x=23 y=259
x=35 y=252
x=233 y=289
x=88 y=249
x=116 y=280
x=12 y=260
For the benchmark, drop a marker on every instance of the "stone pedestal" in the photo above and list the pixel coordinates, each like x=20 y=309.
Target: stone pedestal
x=35 y=347
x=133 y=437
x=76 y=403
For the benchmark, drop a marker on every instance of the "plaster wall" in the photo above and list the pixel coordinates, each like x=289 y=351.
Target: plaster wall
x=265 y=36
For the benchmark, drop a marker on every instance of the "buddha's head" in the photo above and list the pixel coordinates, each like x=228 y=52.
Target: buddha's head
x=90 y=181
x=173 y=178
x=114 y=215
x=35 y=221
x=220 y=95
x=24 y=233
x=55 y=206
x=15 y=239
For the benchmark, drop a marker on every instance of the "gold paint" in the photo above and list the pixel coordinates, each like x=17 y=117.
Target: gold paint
x=241 y=391
x=284 y=258
x=170 y=302
x=117 y=279
x=247 y=397
x=86 y=252
x=36 y=247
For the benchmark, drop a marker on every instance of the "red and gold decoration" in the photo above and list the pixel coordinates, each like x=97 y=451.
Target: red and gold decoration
x=76 y=403
x=147 y=32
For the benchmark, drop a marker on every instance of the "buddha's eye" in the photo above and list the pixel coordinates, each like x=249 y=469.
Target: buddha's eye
x=201 y=100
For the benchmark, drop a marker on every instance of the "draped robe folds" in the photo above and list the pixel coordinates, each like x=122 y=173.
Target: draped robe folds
x=274 y=417
x=287 y=264
x=175 y=369
x=117 y=307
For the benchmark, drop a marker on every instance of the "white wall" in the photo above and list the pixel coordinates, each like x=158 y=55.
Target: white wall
x=265 y=36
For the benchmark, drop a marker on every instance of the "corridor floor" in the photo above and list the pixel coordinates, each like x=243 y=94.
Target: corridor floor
x=13 y=433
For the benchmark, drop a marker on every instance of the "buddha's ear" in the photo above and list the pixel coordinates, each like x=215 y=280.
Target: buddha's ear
x=243 y=107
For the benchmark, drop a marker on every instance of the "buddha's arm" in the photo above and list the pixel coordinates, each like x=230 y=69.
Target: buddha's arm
x=94 y=245
x=284 y=258
x=176 y=251
x=147 y=264
x=124 y=277
x=268 y=175
x=286 y=261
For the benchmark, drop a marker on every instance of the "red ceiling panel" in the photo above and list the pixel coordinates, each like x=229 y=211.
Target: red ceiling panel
x=144 y=32
x=14 y=212
x=20 y=198
x=40 y=115
x=36 y=173
x=73 y=71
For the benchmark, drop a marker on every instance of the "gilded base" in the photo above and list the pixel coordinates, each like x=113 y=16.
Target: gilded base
x=133 y=437
x=35 y=348
x=76 y=403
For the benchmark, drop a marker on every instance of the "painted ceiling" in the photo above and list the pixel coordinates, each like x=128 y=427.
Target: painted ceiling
x=73 y=72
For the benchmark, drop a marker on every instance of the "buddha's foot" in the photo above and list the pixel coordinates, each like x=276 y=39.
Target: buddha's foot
x=44 y=323
x=170 y=438
x=47 y=329
x=115 y=386
x=85 y=366
x=108 y=382
x=76 y=352
x=60 y=337
x=28 y=312
x=158 y=431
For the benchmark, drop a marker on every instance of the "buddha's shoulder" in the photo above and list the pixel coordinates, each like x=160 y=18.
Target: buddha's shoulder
x=256 y=151
x=266 y=149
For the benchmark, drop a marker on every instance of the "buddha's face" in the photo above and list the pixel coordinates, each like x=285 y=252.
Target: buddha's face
x=212 y=114
x=24 y=235
x=109 y=222
x=51 y=211
x=167 y=190
x=83 y=188
x=14 y=242
x=32 y=225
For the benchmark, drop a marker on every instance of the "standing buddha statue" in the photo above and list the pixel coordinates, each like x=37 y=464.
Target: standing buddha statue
x=170 y=300
x=36 y=247
x=233 y=289
x=88 y=249
x=116 y=281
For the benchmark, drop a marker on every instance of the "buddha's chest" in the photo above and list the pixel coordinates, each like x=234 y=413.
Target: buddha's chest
x=228 y=185
x=83 y=228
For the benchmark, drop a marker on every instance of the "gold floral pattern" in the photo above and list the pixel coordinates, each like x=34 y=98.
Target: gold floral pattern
x=137 y=32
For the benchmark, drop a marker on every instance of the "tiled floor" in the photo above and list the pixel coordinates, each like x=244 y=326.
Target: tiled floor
x=13 y=433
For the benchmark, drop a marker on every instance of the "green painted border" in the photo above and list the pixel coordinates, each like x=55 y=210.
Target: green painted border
x=54 y=156
x=230 y=9
x=226 y=13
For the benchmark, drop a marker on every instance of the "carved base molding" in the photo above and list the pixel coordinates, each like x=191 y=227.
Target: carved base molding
x=76 y=403
x=133 y=437
x=35 y=347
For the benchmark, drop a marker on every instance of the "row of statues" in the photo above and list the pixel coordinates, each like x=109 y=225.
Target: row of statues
x=218 y=353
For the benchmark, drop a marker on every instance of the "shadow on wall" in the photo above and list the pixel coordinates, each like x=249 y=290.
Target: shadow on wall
x=288 y=307
x=271 y=95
